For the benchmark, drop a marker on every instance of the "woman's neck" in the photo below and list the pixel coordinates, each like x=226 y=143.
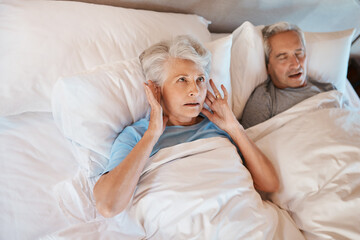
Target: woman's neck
x=176 y=122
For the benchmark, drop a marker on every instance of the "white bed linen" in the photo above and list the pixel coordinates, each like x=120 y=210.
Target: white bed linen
x=201 y=190
x=315 y=148
x=196 y=190
x=350 y=94
x=34 y=156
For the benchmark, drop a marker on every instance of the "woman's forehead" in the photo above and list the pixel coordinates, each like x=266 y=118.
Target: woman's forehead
x=182 y=67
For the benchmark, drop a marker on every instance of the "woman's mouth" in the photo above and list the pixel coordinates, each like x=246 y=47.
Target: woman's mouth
x=192 y=104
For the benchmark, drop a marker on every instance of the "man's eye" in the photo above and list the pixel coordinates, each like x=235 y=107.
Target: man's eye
x=300 y=54
x=182 y=79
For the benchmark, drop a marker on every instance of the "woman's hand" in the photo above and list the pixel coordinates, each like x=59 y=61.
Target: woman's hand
x=113 y=191
x=259 y=166
x=157 y=122
x=221 y=114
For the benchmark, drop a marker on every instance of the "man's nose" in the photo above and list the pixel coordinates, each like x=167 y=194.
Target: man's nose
x=294 y=61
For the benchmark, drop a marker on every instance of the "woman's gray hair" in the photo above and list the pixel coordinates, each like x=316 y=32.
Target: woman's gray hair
x=271 y=30
x=185 y=47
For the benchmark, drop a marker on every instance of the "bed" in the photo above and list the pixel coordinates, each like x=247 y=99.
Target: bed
x=71 y=81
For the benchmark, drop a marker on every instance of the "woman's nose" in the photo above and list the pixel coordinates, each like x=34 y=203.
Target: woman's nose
x=193 y=89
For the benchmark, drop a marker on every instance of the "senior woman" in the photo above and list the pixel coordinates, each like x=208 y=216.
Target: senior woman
x=178 y=70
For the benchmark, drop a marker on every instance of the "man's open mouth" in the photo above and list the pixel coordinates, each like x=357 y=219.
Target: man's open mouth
x=296 y=75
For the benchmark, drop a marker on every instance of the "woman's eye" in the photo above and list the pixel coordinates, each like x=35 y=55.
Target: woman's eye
x=201 y=79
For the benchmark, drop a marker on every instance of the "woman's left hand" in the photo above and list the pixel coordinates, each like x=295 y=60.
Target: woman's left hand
x=260 y=167
x=221 y=113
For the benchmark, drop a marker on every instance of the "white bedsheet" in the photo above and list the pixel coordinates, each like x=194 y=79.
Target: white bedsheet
x=36 y=159
x=201 y=190
x=315 y=148
x=196 y=190
x=34 y=156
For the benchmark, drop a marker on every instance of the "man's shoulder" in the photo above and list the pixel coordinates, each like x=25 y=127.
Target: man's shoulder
x=259 y=99
x=261 y=91
x=325 y=86
x=258 y=106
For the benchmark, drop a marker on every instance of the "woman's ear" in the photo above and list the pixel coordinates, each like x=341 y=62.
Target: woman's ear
x=161 y=99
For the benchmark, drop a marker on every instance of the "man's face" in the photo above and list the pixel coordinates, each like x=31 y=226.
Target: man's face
x=287 y=60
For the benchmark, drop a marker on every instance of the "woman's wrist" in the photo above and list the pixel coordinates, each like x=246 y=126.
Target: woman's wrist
x=152 y=136
x=235 y=130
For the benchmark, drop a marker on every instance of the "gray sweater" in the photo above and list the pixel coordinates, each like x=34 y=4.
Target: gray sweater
x=267 y=100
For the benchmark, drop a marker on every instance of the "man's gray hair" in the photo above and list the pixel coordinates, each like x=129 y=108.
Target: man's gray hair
x=185 y=47
x=270 y=30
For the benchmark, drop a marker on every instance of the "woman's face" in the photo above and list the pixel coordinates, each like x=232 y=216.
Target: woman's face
x=183 y=91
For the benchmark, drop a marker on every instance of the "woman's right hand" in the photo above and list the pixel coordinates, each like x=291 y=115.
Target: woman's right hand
x=157 y=121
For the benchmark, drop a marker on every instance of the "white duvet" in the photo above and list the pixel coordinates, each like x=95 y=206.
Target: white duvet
x=315 y=148
x=34 y=157
x=195 y=190
x=201 y=190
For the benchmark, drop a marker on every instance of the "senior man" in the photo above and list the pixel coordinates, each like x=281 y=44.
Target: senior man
x=287 y=83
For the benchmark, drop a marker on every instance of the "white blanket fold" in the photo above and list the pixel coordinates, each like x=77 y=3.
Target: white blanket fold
x=201 y=190
x=195 y=190
x=315 y=148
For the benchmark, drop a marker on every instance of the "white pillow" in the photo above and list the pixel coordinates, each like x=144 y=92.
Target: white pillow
x=327 y=55
x=93 y=107
x=43 y=40
x=247 y=66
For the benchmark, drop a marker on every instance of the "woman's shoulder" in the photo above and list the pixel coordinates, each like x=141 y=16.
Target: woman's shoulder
x=136 y=129
x=141 y=122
